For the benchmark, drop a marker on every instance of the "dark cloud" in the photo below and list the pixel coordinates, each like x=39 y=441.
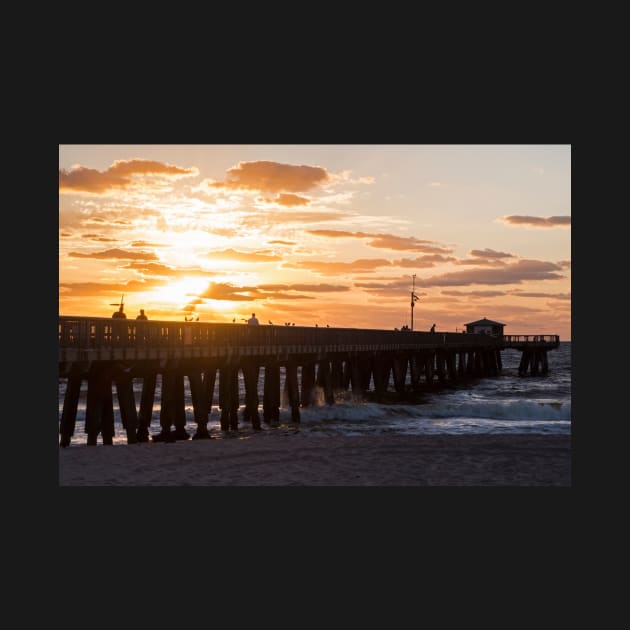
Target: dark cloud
x=118 y=175
x=273 y=177
x=515 y=273
x=116 y=254
x=489 y=253
x=519 y=219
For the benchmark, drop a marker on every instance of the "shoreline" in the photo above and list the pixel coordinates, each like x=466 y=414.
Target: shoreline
x=294 y=459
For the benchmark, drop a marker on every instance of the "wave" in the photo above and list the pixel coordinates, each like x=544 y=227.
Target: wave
x=531 y=411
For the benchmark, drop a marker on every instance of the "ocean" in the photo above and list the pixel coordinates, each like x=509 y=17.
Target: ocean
x=507 y=403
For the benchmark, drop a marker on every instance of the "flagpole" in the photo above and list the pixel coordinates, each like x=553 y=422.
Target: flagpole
x=413 y=295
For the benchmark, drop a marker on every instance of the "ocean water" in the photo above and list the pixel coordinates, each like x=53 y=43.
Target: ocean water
x=507 y=403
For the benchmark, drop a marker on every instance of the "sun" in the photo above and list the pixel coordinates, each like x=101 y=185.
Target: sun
x=177 y=294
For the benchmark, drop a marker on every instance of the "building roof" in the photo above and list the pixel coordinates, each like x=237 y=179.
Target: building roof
x=485 y=322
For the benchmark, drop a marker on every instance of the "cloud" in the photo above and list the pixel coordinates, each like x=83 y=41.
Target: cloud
x=475 y=294
x=147 y=244
x=232 y=254
x=518 y=219
x=266 y=219
x=494 y=262
x=227 y=291
x=400 y=288
x=539 y=294
x=510 y=274
x=314 y=288
x=279 y=242
x=387 y=241
x=273 y=177
x=490 y=253
x=422 y=262
x=288 y=199
x=565 y=264
x=83 y=289
x=119 y=175
x=116 y=254
x=99 y=238
x=162 y=271
x=331 y=268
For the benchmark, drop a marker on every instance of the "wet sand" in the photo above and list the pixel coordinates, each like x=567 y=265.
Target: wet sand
x=293 y=459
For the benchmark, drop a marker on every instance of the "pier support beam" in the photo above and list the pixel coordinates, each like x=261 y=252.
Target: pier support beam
x=308 y=384
x=228 y=396
x=146 y=406
x=70 y=405
x=429 y=360
x=99 y=412
x=127 y=406
x=415 y=369
x=356 y=379
x=251 y=372
x=292 y=389
x=324 y=380
x=399 y=366
x=199 y=396
x=271 y=393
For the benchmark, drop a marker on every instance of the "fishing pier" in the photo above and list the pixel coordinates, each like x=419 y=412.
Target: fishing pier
x=110 y=353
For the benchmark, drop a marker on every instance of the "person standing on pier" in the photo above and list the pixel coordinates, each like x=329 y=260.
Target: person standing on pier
x=253 y=321
x=142 y=315
x=433 y=328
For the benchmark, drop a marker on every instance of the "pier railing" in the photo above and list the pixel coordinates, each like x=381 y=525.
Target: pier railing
x=520 y=342
x=94 y=336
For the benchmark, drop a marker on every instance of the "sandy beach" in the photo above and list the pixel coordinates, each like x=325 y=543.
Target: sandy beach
x=289 y=458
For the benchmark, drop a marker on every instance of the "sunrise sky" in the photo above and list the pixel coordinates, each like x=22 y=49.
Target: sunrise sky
x=319 y=234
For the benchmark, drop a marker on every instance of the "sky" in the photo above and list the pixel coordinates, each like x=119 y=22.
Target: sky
x=327 y=235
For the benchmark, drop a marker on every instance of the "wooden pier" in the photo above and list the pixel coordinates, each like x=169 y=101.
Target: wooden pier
x=107 y=352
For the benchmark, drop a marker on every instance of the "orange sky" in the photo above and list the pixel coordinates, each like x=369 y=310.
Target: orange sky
x=319 y=234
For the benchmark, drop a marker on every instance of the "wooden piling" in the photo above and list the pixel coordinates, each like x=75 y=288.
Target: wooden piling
x=146 y=406
x=400 y=373
x=308 y=383
x=293 y=391
x=250 y=380
x=127 y=406
x=70 y=405
x=99 y=412
x=199 y=396
x=271 y=393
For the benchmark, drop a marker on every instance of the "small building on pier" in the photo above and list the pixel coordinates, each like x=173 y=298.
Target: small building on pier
x=485 y=326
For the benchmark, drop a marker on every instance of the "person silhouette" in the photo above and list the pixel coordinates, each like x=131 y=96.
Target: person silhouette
x=119 y=313
x=142 y=315
x=253 y=321
x=433 y=328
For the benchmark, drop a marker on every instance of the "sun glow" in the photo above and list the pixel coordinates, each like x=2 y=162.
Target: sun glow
x=178 y=293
